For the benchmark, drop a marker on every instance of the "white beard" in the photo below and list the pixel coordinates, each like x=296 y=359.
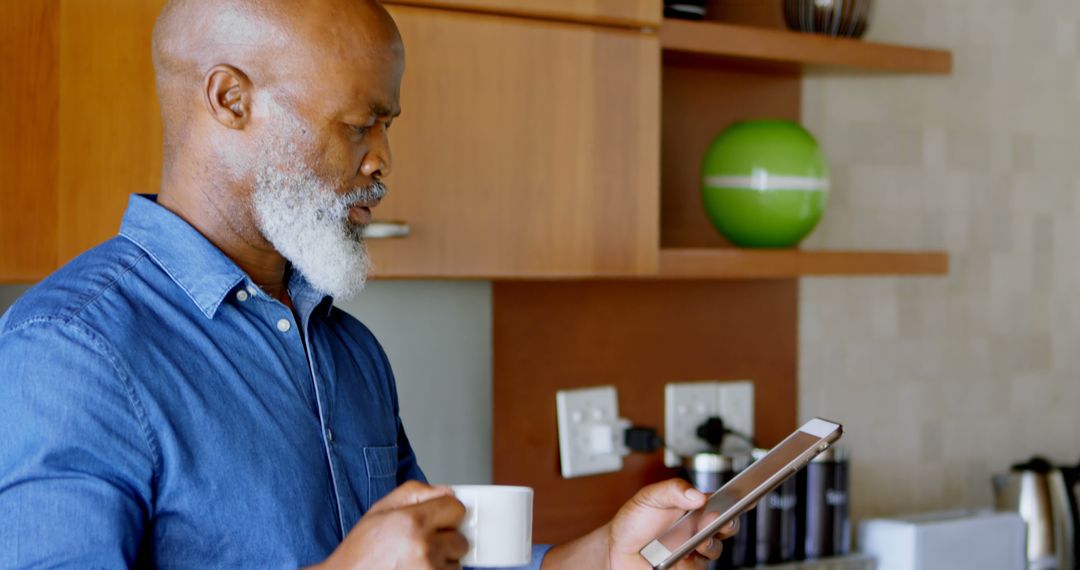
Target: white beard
x=302 y=216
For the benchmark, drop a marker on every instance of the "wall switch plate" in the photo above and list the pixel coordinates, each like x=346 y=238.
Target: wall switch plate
x=591 y=433
x=688 y=404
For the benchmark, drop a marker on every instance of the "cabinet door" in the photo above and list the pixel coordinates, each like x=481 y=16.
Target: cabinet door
x=29 y=102
x=80 y=126
x=616 y=12
x=525 y=148
x=110 y=123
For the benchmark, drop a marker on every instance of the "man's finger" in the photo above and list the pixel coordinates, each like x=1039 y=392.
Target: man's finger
x=711 y=548
x=449 y=546
x=693 y=562
x=410 y=493
x=729 y=530
x=440 y=513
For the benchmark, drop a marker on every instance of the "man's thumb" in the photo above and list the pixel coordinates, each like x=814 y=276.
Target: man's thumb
x=671 y=494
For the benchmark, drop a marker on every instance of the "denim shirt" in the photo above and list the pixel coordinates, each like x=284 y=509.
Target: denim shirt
x=157 y=409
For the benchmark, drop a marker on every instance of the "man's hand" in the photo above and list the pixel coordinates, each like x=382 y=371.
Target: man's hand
x=652 y=511
x=412 y=528
x=616 y=545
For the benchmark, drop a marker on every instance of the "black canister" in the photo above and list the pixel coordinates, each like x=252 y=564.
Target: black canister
x=777 y=524
x=800 y=516
x=708 y=472
x=828 y=520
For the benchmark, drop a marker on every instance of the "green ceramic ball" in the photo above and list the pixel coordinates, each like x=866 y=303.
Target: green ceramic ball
x=766 y=183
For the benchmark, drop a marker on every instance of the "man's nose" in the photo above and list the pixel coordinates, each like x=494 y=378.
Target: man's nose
x=377 y=161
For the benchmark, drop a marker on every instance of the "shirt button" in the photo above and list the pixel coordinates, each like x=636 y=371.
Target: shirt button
x=241 y=295
x=284 y=325
x=329 y=434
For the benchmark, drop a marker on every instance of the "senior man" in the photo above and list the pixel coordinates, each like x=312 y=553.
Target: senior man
x=186 y=395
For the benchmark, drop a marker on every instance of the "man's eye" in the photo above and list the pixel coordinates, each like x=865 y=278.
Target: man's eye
x=362 y=131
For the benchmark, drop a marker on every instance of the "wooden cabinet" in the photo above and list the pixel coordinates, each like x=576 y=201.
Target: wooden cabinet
x=29 y=102
x=712 y=312
x=81 y=129
x=110 y=125
x=529 y=147
x=525 y=149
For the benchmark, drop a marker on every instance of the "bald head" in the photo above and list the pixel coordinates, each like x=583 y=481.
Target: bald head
x=262 y=35
x=276 y=44
x=296 y=95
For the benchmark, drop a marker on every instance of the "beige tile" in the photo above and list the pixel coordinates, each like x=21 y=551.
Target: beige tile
x=970 y=150
x=1065 y=38
x=985 y=363
x=1023 y=153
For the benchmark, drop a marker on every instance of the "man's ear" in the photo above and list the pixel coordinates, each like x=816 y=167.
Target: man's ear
x=227 y=93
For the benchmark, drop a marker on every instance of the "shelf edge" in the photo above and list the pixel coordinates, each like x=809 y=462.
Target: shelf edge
x=774 y=264
x=773 y=45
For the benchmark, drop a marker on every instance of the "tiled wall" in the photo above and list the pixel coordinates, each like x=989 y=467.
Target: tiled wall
x=942 y=381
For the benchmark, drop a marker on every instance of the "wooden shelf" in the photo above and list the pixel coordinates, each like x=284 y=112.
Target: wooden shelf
x=766 y=46
x=733 y=263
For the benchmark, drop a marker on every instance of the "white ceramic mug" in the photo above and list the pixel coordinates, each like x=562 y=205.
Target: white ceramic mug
x=498 y=524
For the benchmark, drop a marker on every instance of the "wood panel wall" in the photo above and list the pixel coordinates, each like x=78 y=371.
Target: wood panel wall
x=699 y=102
x=637 y=336
x=760 y=13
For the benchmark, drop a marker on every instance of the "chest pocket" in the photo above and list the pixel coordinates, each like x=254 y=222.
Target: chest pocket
x=382 y=463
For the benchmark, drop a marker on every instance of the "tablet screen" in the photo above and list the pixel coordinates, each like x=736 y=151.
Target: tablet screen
x=722 y=502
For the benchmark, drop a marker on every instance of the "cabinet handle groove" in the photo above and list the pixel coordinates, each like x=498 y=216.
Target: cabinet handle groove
x=386 y=230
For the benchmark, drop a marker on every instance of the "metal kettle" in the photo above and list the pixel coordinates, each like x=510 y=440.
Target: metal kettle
x=1044 y=496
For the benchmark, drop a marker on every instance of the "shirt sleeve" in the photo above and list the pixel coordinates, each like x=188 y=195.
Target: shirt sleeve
x=408 y=467
x=538 y=553
x=76 y=463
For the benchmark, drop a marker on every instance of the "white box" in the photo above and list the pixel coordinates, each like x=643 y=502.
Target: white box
x=954 y=540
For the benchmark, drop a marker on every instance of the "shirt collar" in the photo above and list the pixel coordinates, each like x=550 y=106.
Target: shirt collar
x=205 y=273
x=305 y=297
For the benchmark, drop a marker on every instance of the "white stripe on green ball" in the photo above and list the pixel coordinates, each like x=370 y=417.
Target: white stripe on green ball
x=765 y=181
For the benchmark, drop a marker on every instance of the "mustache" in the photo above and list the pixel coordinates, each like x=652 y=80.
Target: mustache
x=373 y=192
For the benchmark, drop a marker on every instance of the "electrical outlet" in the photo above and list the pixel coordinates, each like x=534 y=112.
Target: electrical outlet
x=590 y=431
x=736 y=403
x=688 y=404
